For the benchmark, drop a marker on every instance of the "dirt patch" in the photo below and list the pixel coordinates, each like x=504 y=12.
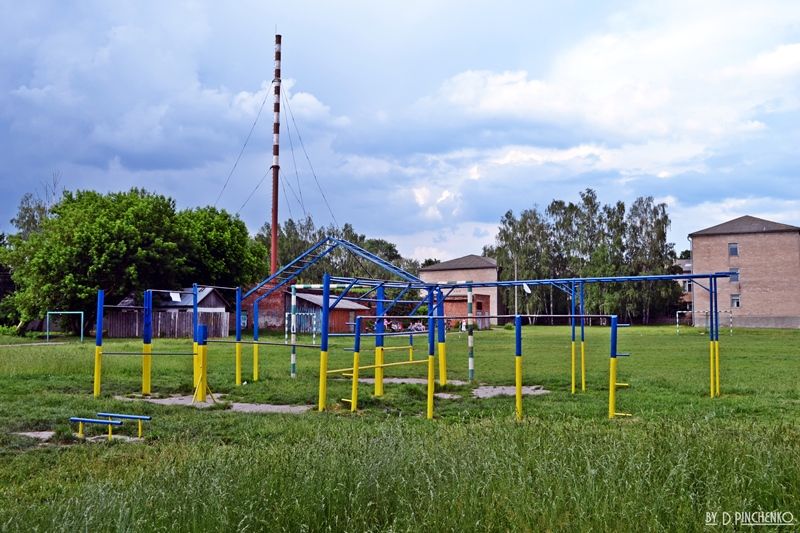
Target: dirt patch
x=487 y=391
x=447 y=396
x=236 y=406
x=39 y=435
x=270 y=408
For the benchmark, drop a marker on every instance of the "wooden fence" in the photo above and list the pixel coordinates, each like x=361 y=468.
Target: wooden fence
x=128 y=324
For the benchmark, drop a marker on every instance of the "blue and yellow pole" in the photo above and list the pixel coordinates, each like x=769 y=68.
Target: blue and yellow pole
x=293 y=358
x=470 y=334
x=410 y=347
x=442 y=345
x=255 y=339
x=147 y=341
x=518 y=365
x=716 y=339
x=379 y=330
x=711 y=348
x=323 y=343
x=195 y=336
x=431 y=351
x=572 y=324
x=238 y=353
x=583 y=341
x=98 y=344
x=356 y=350
x=612 y=374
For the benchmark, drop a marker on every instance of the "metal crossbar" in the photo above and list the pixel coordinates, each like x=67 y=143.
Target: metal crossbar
x=367 y=367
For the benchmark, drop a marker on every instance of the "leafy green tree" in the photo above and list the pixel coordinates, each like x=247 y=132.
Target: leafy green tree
x=218 y=249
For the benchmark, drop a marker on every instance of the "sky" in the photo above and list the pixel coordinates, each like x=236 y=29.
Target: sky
x=420 y=122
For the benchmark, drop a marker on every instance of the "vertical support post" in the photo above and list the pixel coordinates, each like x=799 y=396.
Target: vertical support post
x=293 y=361
x=356 y=350
x=379 y=330
x=410 y=346
x=47 y=327
x=80 y=430
x=431 y=351
x=147 y=340
x=442 y=345
x=202 y=384
x=195 y=337
x=716 y=339
x=572 y=324
x=612 y=374
x=255 y=339
x=323 y=343
x=98 y=345
x=582 y=312
x=711 y=348
x=238 y=353
x=470 y=334
x=518 y=365
x=110 y=435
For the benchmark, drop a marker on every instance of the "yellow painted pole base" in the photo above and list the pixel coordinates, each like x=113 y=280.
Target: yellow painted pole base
x=255 y=362
x=442 y=363
x=354 y=389
x=98 y=370
x=147 y=368
x=238 y=356
x=323 y=380
x=379 y=371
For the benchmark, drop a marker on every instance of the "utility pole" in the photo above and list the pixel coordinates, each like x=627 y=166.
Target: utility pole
x=276 y=128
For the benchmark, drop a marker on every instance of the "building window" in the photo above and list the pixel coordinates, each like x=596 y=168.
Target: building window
x=734 y=275
x=735 y=303
x=687 y=286
x=733 y=249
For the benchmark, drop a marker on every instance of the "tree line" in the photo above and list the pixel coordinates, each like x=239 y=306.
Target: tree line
x=587 y=239
x=68 y=247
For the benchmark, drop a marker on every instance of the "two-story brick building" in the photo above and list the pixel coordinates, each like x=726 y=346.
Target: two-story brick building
x=765 y=257
x=468 y=268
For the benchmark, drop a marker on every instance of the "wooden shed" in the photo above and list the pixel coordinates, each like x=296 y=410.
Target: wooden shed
x=172 y=315
x=342 y=317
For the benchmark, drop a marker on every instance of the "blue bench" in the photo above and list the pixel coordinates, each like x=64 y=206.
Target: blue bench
x=81 y=421
x=138 y=418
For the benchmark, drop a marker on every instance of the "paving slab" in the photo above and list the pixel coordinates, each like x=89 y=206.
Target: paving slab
x=487 y=391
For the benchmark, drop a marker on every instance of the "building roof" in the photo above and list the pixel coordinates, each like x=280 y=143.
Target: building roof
x=746 y=224
x=316 y=299
x=183 y=298
x=468 y=262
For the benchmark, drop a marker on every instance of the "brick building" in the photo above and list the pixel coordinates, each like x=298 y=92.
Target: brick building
x=468 y=268
x=765 y=257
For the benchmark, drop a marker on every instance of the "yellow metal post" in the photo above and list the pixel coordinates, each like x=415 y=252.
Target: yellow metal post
x=109 y=432
x=354 y=392
x=238 y=363
x=716 y=365
x=202 y=388
x=379 y=371
x=518 y=382
x=712 y=372
x=255 y=362
x=583 y=366
x=442 y=346
x=80 y=430
x=431 y=380
x=98 y=369
x=573 y=367
x=612 y=387
x=195 y=363
x=323 y=380
x=140 y=429
x=147 y=365
x=410 y=352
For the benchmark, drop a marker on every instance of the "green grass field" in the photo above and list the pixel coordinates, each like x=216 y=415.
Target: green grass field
x=565 y=467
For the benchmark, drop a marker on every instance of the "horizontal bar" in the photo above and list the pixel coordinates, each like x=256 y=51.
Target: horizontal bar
x=154 y=353
x=389 y=348
x=125 y=306
x=95 y=421
x=216 y=287
x=266 y=343
x=168 y=291
x=367 y=367
x=388 y=334
x=127 y=417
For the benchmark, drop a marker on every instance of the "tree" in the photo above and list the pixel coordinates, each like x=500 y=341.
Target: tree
x=218 y=248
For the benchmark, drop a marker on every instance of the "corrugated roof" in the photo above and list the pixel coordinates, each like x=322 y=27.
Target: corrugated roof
x=463 y=263
x=745 y=224
x=316 y=299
